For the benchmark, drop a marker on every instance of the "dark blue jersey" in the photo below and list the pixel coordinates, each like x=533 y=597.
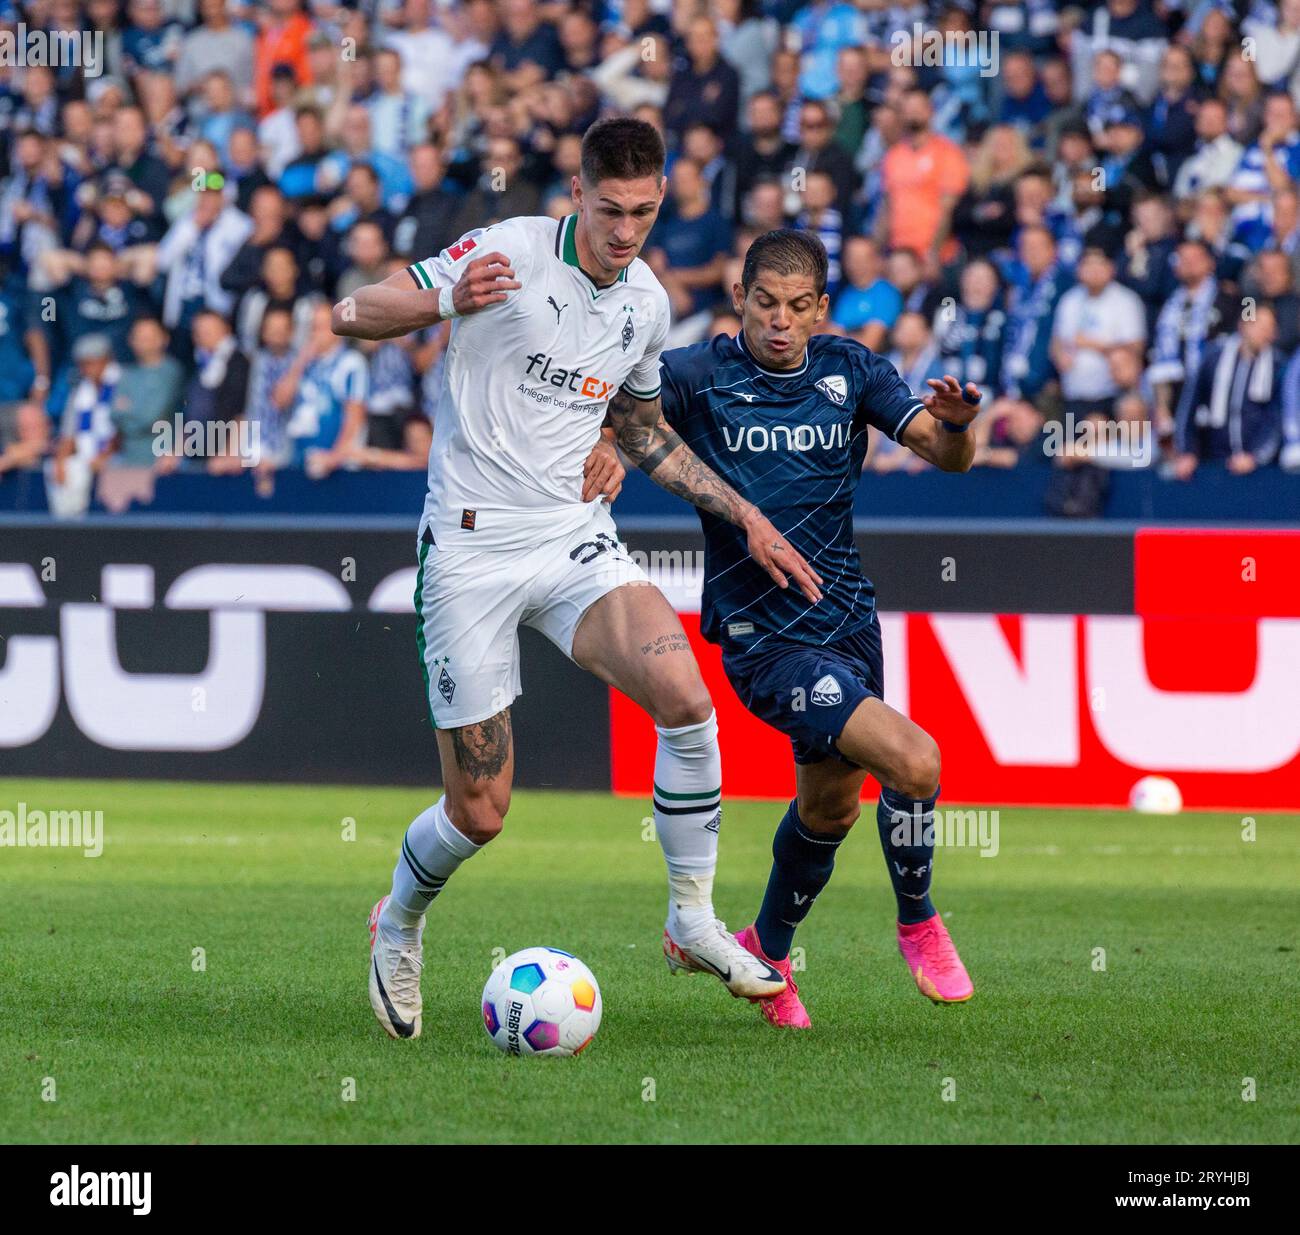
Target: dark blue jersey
x=793 y=444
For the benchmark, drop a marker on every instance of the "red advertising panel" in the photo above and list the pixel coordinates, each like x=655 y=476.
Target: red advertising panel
x=1068 y=710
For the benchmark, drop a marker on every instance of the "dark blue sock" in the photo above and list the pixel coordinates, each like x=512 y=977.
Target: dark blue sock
x=907 y=837
x=801 y=866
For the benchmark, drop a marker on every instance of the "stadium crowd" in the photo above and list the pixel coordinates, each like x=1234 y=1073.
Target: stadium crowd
x=1090 y=210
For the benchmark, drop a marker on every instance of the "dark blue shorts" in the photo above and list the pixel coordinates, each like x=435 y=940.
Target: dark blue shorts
x=809 y=691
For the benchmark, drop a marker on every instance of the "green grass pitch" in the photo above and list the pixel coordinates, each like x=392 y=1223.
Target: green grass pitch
x=102 y=995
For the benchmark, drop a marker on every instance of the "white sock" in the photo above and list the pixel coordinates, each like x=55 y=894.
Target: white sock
x=431 y=850
x=688 y=813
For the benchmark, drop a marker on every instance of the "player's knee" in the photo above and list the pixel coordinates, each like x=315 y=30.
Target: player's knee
x=479 y=817
x=917 y=775
x=683 y=705
x=830 y=818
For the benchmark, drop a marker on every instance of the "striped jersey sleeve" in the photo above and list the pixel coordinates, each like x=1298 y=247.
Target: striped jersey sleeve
x=886 y=401
x=445 y=269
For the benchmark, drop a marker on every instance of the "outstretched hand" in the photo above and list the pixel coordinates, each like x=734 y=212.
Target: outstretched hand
x=950 y=401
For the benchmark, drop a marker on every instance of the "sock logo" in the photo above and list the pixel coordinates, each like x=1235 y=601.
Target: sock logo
x=800 y=900
x=827 y=691
x=715 y=824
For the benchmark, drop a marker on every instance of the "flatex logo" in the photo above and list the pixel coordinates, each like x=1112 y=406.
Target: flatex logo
x=118 y=1189
x=544 y=368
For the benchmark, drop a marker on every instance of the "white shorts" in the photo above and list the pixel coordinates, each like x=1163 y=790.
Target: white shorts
x=469 y=605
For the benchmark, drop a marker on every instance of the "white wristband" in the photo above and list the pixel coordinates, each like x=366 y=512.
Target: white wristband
x=446 y=309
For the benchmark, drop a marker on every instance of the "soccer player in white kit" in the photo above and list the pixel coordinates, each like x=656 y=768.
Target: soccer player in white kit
x=557 y=330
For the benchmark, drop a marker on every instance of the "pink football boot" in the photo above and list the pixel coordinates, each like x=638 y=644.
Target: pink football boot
x=786 y=1010
x=935 y=965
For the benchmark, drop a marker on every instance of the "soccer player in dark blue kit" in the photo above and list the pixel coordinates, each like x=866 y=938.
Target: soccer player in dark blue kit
x=782 y=415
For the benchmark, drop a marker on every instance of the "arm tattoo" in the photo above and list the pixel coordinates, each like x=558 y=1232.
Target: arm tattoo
x=482 y=749
x=647 y=439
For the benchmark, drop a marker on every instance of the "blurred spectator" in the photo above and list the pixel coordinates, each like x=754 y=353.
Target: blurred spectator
x=29 y=442
x=819 y=215
x=502 y=192
x=1232 y=411
x=1196 y=312
x=1024 y=103
x=1093 y=320
x=391 y=385
x=819 y=152
x=924 y=176
x=969 y=334
x=705 y=89
x=765 y=154
x=689 y=243
x=272 y=229
x=96 y=300
x=1010 y=434
x=301 y=175
x=270 y=403
x=1215 y=156
x=87 y=431
x=218 y=391
x=328 y=386
x=428 y=54
x=1272 y=162
x=1131 y=30
x=149 y=392
x=284 y=31
x=193 y=255
x=24 y=352
x=1171 y=119
x=216 y=43
x=1147 y=263
x=152 y=41
x=527 y=50
x=635 y=73
x=984 y=217
x=426 y=225
x=1271 y=280
x=868 y=305
x=279 y=287
x=1277 y=43
x=398 y=116
x=915 y=354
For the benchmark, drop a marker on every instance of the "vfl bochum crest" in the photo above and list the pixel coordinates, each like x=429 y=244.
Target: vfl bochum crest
x=835 y=388
x=628 y=332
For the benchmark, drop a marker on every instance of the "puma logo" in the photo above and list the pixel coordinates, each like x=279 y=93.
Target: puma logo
x=559 y=308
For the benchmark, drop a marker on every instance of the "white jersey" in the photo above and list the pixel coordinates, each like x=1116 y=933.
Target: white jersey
x=526 y=383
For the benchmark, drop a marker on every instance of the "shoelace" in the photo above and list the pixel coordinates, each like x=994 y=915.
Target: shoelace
x=404 y=981
x=938 y=947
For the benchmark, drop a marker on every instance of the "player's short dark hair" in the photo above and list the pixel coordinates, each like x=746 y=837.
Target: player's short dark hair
x=786 y=251
x=622 y=148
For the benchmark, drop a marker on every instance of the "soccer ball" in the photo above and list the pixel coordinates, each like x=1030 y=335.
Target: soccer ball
x=541 y=1001
x=1155 y=795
